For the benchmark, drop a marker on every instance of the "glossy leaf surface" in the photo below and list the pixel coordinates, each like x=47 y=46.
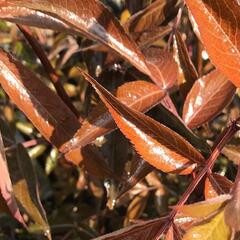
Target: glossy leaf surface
x=152 y=16
x=218 y=25
x=92 y=19
x=43 y=107
x=186 y=67
x=207 y=98
x=157 y=144
x=162 y=64
x=139 y=95
x=21 y=15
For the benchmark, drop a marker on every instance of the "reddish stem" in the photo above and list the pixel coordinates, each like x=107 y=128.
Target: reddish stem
x=53 y=76
x=228 y=134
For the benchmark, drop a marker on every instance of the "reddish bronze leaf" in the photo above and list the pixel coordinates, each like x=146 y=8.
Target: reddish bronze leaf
x=139 y=95
x=152 y=16
x=207 y=98
x=136 y=5
x=140 y=170
x=43 y=107
x=162 y=63
x=95 y=164
x=218 y=25
x=147 y=38
x=157 y=144
x=215 y=185
x=92 y=19
x=141 y=231
x=186 y=68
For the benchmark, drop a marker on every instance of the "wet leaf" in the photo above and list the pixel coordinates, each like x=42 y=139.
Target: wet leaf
x=215 y=185
x=103 y=26
x=217 y=24
x=43 y=107
x=139 y=95
x=207 y=98
x=157 y=144
x=185 y=65
x=214 y=228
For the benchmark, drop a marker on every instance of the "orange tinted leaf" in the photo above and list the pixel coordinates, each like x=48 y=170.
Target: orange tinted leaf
x=139 y=95
x=147 y=38
x=43 y=107
x=103 y=26
x=186 y=67
x=170 y=234
x=13 y=13
x=162 y=63
x=157 y=144
x=152 y=16
x=216 y=185
x=207 y=98
x=218 y=25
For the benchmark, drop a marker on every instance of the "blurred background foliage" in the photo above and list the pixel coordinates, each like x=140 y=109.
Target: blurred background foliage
x=79 y=204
